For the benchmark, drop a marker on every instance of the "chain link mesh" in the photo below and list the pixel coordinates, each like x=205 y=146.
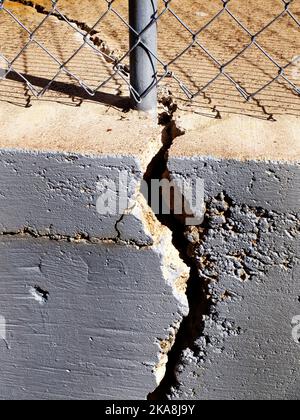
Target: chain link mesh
x=285 y=68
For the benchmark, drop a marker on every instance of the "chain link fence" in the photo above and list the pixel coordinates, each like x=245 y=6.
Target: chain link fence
x=139 y=64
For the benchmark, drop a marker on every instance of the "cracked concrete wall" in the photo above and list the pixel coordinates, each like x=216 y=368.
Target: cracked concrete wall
x=91 y=303
x=246 y=255
x=116 y=281
x=96 y=306
x=65 y=179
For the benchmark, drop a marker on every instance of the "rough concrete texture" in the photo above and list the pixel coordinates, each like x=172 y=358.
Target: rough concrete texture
x=84 y=321
x=55 y=246
x=247 y=258
x=92 y=303
x=51 y=180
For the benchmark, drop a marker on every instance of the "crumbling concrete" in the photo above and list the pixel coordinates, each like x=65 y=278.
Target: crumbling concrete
x=91 y=302
x=247 y=257
x=61 y=259
x=53 y=169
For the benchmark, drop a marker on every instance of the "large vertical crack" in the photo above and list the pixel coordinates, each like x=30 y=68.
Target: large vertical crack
x=192 y=326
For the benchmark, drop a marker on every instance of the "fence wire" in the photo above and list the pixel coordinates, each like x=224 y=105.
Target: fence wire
x=119 y=63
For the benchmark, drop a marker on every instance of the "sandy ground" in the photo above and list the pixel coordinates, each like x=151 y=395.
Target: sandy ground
x=223 y=39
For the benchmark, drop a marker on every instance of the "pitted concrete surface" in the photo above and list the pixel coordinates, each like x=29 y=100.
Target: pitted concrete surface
x=249 y=260
x=247 y=257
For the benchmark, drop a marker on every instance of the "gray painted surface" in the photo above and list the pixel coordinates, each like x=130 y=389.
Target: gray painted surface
x=86 y=300
x=96 y=335
x=247 y=253
x=57 y=193
x=273 y=186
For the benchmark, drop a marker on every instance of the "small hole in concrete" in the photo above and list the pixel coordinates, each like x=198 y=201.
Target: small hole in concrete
x=40 y=295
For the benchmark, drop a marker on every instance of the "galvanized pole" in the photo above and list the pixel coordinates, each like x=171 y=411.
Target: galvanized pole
x=143 y=62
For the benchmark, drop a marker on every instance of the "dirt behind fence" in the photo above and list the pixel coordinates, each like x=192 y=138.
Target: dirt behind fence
x=223 y=39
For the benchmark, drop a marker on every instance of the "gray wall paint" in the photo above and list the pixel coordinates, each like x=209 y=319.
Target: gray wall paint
x=247 y=253
x=112 y=291
x=97 y=335
x=109 y=305
x=57 y=193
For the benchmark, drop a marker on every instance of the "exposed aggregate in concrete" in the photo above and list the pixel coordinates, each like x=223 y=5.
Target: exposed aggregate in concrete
x=248 y=257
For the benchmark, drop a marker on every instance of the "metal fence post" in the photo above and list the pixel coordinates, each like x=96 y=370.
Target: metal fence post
x=143 y=63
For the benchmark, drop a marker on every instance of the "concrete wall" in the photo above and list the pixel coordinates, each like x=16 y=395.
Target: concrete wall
x=96 y=306
x=247 y=257
x=84 y=321
x=89 y=303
